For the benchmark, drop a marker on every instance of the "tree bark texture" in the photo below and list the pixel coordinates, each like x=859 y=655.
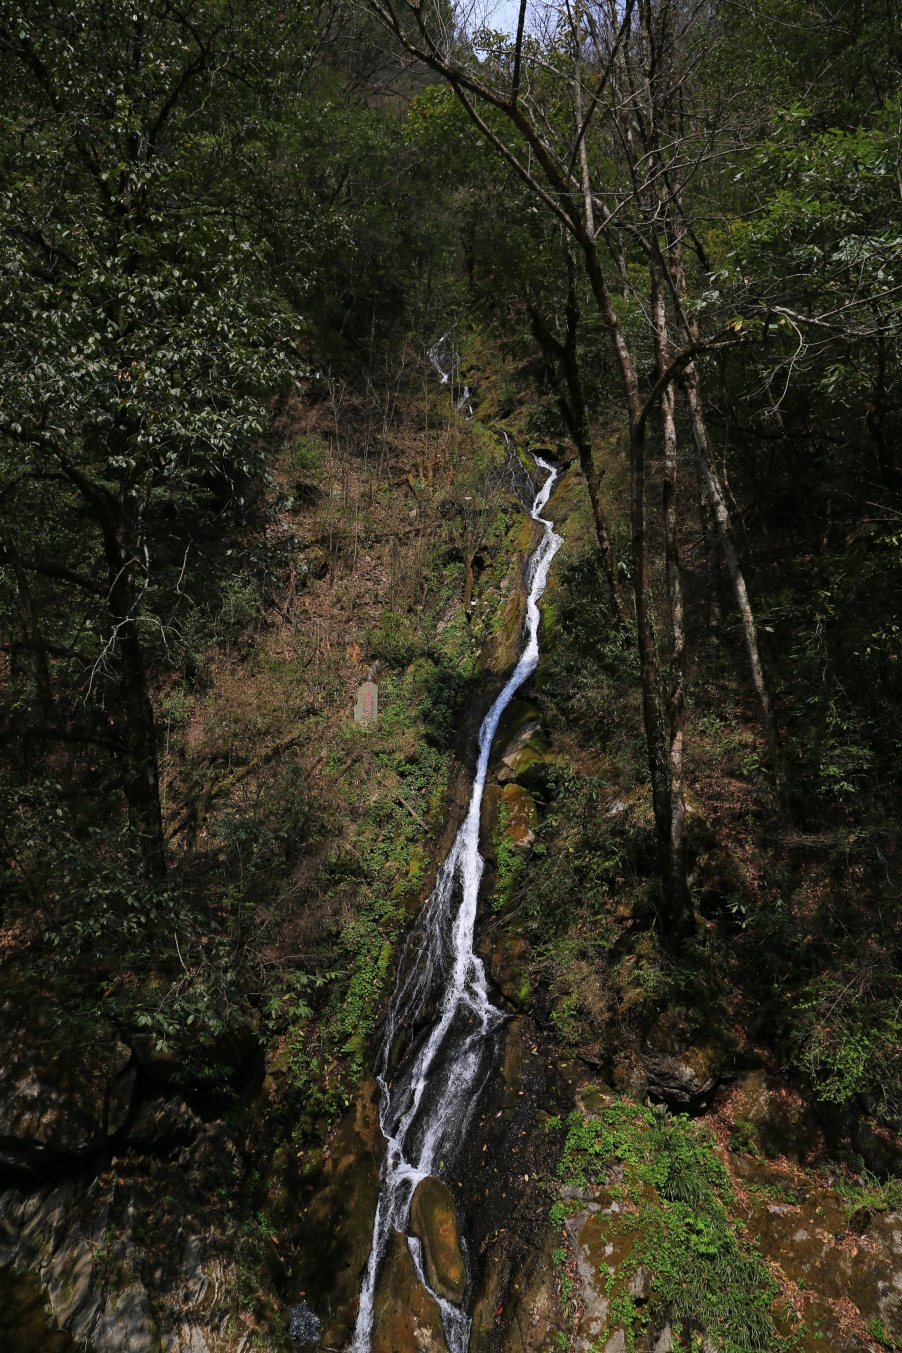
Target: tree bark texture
x=728 y=544
x=710 y=548
x=676 y=703
x=720 y=512
x=142 y=777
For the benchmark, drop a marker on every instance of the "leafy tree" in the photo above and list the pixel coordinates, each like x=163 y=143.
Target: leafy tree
x=139 y=345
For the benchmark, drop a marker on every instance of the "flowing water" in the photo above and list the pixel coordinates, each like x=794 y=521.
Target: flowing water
x=441 y=1004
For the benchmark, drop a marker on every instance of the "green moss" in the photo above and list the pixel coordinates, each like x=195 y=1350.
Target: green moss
x=508 y=862
x=703 y=1271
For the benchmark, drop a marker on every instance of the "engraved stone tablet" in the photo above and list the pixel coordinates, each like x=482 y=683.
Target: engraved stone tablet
x=366 y=710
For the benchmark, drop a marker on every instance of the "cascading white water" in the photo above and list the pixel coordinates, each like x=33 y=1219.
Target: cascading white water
x=427 y=1099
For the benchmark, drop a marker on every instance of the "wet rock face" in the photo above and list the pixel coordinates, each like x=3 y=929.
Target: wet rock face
x=407 y=1319
x=334 y=1221
x=433 y=1220
x=517 y=1309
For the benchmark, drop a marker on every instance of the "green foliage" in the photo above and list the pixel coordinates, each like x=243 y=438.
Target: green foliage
x=876 y=1329
x=508 y=862
x=702 y=1270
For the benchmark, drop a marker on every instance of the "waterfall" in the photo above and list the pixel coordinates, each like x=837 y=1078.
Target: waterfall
x=427 y=1100
x=433 y=354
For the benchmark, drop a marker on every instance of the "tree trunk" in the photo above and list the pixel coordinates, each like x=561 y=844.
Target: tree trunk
x=679 y=893
x=469 y=583
x=570 y=363
x=875 y=420
x=714 y=489
x=722 y=519
x=31 y=626
x=710 y=548
x=142 y=778
x=651 y=704
x=573 y=410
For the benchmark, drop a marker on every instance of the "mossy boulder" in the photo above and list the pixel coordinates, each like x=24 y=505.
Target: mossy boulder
x=683 y=1069
x=433 y=1220
x=520 y=817
x=509 y=967
x=407 y=1319
x=521 y=747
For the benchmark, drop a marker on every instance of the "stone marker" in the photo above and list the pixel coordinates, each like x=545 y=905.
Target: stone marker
x=366 y=710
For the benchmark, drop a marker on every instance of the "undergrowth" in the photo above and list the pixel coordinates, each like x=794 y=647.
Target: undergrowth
x=675 y=1204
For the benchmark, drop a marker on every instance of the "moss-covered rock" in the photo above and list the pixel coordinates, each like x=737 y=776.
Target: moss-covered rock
x=519 y=817
x=25 y=1323
x=407 y=1319
x=780 y=1123
x=509 y=965
x=521 y=743
x=433 y=1220
x=683 y=1069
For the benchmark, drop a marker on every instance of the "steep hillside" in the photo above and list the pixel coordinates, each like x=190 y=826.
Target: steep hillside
x=363 y=985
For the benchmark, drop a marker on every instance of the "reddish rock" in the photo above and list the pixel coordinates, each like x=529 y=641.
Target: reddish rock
x=520 y=817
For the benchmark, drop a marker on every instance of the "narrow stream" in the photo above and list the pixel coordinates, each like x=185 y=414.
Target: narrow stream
x=426 y=1100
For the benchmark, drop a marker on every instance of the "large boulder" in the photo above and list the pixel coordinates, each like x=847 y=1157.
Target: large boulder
x=682 y=1069
x=407 y=1319
x=521 y=747
x=163 y=1124
x=433 y=1220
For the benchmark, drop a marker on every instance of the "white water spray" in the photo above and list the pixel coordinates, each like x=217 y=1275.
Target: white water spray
x=427 y=1099
x=434 y=354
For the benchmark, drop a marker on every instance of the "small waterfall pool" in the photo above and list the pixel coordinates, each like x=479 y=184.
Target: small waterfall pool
x=427 y=1099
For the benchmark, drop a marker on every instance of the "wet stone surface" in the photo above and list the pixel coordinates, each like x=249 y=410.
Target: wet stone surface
x=433 y=1221
x=304 y=1326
